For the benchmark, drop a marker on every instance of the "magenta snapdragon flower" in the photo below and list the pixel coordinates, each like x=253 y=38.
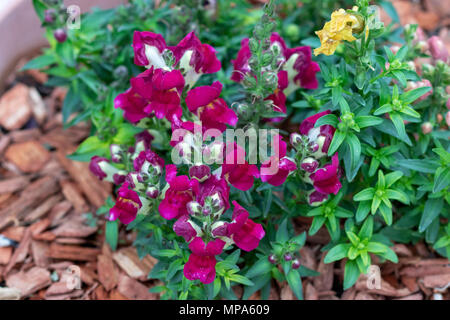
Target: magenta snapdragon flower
x=244 y=232
x=202 y=261
x=236 y=170
x=127 y=205
x=275 y=170
x=326 y=179
x=322 y=135
x=181 y=191
x=212 y=110
x=148 y=49
x=155 y=91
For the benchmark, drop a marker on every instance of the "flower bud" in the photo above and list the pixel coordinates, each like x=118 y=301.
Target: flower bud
x=295 y=140
x=287 y=257
x=60 y=35
x=272 y=259
x=439 y=118
x=152 y=192
x=447 y=118
x=315 y=198
x=194 y=208
x=438 y=49
x=206 y=211
x=49 y=15
x=295 y=264
x=427 y=127
x=358 y=23
x=309 y=164
x=219 y=229
x=116 y=153
x=200 y=172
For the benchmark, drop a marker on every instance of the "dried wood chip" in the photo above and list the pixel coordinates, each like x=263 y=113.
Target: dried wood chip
x=20 y=253
x=286 y=293
x=73 y=195
x=29 y=282
x=128 y=261
x=5 y=255
x=13 y=184
x=29 y=156
x=42 y=209
x=38 y=107
x=416 y=296
x=134 y=290
x=67 y=296
x=4 y=142
x=15 y=107
x=9 y=294
x=402 y=250
x=311 y=292
x=107 y=272
x=116 y=295
x=39 y=251
x=14 y=233
x=59 y=211
x=324 y=281
x=307 y=258
x=422 y=271
x=410 y=283
x=349 y=294
x=25 y=135
x=437 y=281
x=75 y=253
x=95 y=191
x=74 y=227
x=385 y=290
x=33 y=194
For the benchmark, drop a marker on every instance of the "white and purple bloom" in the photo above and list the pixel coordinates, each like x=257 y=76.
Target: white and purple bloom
x=127 y=205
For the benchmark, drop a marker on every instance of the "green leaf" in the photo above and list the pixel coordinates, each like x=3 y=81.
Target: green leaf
x=441 y=179
x=338 y=252
x=354 y=239
x=316 y=224
x=363 y=210
x=392 y=178
x=390 y=255
x=338 y=138
x=294 y=280
x=351 y=274
x=329 y=119
x=386 y=213
x=399 y=125
x=282 y=233
x=377 y=247
x=336 y=95
x=432 y=209
x=112 y=233
x=40 y=8
x=39 y=62
x=400 y=76
x=367 y=121
x=397 y=195
x=355 y=148
x=421 y=165
x=412 y=95
x=240 y=279
x=262 y=266
x=386 y=108
x=366 y=230
x=366 y=194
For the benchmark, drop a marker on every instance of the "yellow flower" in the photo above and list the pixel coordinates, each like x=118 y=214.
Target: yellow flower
x=338 y=29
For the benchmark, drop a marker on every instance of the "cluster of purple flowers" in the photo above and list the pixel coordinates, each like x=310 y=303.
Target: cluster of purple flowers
x=198 y=201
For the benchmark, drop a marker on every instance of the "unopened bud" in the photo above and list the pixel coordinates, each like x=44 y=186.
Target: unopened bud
x=116 y=153
x=152 y=192
x=439 y=118
x=295 y=140
x=194 y=208
x=309 y=164
x=295 y=264
x=272 y=259
x=287 y=257
x=60 y=35
x=427 y=127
